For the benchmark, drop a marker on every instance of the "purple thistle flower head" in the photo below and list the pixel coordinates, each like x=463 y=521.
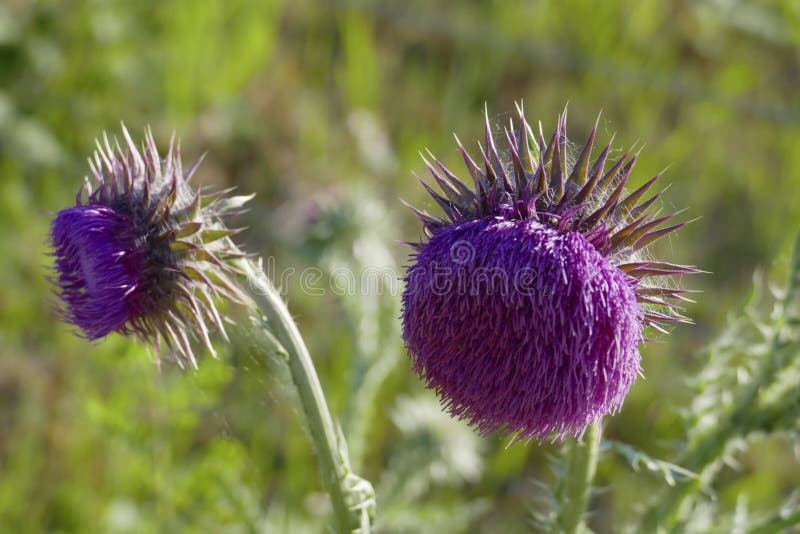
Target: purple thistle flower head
x=525 y=306
x=143 y=253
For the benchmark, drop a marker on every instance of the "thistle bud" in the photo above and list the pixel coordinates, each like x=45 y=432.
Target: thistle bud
x=144 y=253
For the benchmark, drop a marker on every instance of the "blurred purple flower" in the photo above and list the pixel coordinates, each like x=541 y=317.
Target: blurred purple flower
x=144 y=253
x=525 y=307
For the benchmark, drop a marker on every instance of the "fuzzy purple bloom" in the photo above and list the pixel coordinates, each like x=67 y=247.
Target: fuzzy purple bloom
x=100 y=266
x=525 y=308
x=145 y=254
x=533 y=298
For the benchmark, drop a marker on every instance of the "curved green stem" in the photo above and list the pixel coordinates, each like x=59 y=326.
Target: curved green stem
x=581 y=466
x=339 y=481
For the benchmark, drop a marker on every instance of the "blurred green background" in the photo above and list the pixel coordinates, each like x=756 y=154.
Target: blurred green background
x=321 y=108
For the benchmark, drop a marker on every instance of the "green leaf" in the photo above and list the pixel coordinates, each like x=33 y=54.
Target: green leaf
x=637 y=459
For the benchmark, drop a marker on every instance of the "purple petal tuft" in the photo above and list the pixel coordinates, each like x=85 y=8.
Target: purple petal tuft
x=98 y=267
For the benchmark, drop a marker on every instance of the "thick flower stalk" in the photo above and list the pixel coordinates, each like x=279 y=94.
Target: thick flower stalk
x=144 y=253
x=525 y=306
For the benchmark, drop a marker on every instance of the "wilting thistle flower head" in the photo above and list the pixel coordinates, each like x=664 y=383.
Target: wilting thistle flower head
x=525 y=305
x=144 y=253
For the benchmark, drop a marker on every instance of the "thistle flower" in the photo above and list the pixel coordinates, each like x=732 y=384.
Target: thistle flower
x=525 y=306
x=142 y=252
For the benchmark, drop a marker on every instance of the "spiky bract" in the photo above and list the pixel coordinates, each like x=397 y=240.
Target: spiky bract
x=525 y=306
x=144 y=253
